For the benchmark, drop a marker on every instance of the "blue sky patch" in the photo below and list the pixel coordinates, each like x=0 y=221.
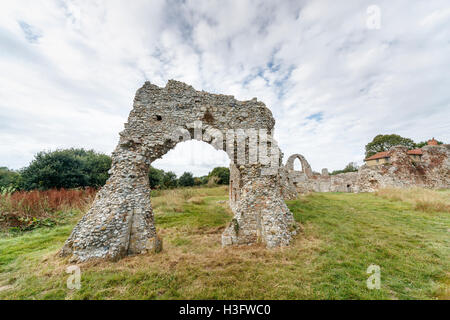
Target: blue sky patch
x=31 y=34
x=318 y=116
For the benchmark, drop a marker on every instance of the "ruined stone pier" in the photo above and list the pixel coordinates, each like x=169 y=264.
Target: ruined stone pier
x=120 y=221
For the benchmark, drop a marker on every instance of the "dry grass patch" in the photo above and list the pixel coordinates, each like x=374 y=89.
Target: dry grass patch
x=423 y=199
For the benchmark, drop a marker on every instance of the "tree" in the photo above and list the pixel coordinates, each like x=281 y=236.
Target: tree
x=9 y=178
x=169 y=180
x=96 y=167
x=222 y=173
x=424 y=143
x=385 y=142
x=70 y=168
x=198 y=181
x=155 y=177
x=351 y=167
x=204 y=179
x=186 y=180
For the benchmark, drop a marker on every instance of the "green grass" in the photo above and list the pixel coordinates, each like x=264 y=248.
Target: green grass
x=342 y=234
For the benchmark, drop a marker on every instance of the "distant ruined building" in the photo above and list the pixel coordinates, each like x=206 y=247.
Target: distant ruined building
x=428 y=167
x=384 y=156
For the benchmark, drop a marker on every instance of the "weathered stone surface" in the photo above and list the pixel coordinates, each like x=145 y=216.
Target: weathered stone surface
x=293 y=181
x=432 y=171
x=120 y=221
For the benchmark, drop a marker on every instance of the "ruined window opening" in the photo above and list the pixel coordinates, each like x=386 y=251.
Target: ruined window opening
x=158 y=118
x=298 y=165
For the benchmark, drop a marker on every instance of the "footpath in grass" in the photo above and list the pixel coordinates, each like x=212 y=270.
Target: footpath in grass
x=342 y=234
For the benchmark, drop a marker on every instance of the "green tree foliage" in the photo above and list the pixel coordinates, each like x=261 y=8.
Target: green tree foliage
x=424 y=143
x=198 y=181
x=383 y=142
x=70 y=168
x=169 y=180
x=351 y=167
x=186 y=180
x=155 y=177
x=96 y=167
x=222 y=173
x=204 y=180
x=9 y=178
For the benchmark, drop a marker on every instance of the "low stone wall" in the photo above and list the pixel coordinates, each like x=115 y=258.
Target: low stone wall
x=432 y=171
x=344 y=182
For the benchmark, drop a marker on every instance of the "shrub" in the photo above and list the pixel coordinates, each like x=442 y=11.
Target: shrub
x=155 y=177
x=351 y=167
x=71 y=168
x=222 y=173
x=186 y=180
x=9 y=178
x=169 y=180
x=198 y=181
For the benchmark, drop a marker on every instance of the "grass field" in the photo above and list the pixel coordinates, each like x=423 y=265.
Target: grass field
x=342 y=234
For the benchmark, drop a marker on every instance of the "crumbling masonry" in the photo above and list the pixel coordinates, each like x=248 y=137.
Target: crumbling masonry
x=120 y=221
x=431 y=171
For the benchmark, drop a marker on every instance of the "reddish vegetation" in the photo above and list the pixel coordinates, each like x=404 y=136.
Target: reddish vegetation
x=22 y=208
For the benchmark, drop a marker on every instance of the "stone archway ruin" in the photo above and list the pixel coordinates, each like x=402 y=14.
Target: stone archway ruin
x=292 y=180
x=306 y=168
x=120 y=221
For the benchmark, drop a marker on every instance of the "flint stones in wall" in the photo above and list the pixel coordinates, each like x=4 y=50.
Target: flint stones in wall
x=120 y=221
x=432 y=171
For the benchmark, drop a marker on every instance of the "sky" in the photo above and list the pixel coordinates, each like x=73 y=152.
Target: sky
x=334 y=76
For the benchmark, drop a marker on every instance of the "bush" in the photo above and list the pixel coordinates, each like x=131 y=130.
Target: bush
x=198 y=181
x=96 y=167
x=424 y=143
x=169 y=180
x=155 y=177
x=186 y=180
x=71 y=168
x=351 y=167
x=222 y=173
x=9 y=178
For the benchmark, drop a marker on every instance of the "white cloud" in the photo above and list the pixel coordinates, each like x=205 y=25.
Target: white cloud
x=69 y=71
